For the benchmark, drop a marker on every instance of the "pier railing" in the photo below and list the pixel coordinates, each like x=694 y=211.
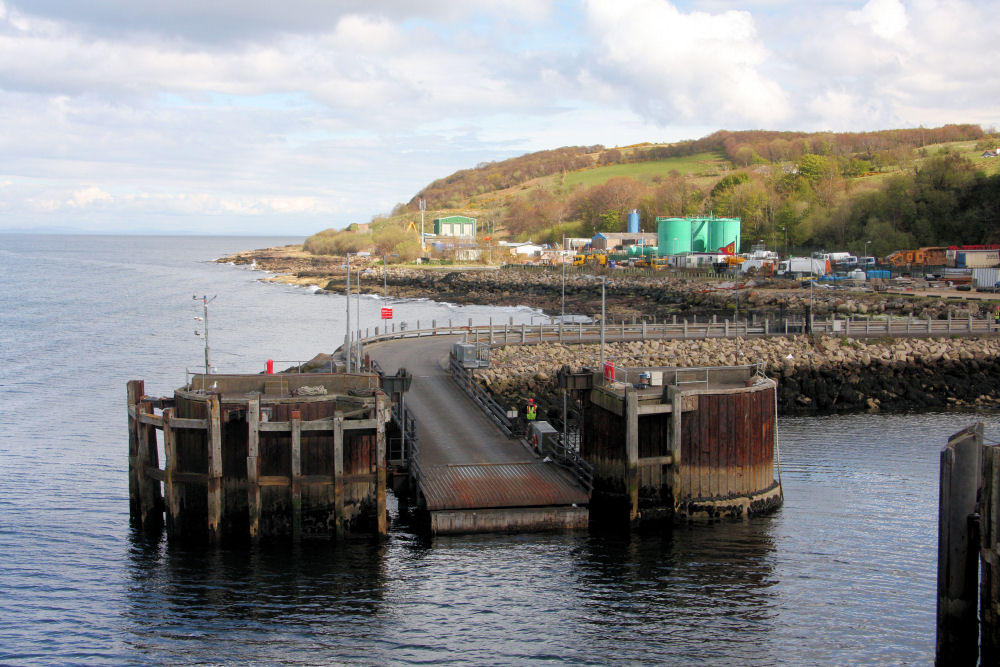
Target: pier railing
x=561 y=453
x=578 y=332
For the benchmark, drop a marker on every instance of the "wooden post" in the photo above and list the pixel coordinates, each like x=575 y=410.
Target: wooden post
x=632 y=451
x=253 y=465
x=338 y=472
x=169 y=486
x=151 y=500
x=296 y=474
x=958 y=576
x=989 y=554
x=133 y=390
x=675 y=396
x=214 y=467
x=382 y=415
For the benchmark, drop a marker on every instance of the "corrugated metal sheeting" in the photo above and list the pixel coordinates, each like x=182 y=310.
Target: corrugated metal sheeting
x=528 y=484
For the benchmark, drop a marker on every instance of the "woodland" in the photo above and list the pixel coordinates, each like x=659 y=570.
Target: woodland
x=896 y=189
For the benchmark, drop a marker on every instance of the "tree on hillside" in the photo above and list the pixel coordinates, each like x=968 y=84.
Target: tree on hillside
x=602 y=208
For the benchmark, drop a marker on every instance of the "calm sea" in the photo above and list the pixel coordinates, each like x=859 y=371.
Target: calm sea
x=844 y=573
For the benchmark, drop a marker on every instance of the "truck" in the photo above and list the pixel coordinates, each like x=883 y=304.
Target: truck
x=803 y=266
x=596 y=258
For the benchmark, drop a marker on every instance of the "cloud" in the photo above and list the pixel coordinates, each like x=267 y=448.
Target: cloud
x=88 y=197
x=685 y=66
x=317 y=113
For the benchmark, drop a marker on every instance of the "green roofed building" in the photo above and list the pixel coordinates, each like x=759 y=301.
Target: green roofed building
x=455 y=225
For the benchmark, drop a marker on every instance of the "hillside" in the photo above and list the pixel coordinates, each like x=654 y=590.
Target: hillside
x=896 y=188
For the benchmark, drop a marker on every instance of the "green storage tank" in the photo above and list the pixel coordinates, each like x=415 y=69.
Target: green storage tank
x=673 y=235
x=650 y=251
x=722 y=232
x=731 y=232
x=699 y=234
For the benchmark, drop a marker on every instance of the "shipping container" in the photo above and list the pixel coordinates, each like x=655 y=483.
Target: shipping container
x=985 y=277
x=977 y=259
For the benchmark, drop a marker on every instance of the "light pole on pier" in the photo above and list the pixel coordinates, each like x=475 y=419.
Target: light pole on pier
x=604 y=280
x=423 y=207
x=347 y=336
x=563 y=317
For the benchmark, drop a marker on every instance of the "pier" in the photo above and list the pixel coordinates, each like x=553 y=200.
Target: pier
x=301 y=454
x=252 y=456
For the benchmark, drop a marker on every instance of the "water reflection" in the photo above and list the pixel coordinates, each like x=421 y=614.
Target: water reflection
x=315 y=601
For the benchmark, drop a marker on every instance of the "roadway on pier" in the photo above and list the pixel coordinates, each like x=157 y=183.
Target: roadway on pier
x=466 y=462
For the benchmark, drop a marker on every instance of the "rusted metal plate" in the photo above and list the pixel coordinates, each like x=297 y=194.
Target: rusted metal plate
x=528 y=484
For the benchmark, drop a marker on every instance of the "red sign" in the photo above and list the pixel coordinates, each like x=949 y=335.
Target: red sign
x=729 y=249
x=609 y=370
x=387 y=313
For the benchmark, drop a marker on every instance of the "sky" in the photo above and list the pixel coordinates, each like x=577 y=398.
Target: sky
x=259 y=117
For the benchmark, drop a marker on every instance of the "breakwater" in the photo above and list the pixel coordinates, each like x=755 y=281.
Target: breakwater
x=816 y=374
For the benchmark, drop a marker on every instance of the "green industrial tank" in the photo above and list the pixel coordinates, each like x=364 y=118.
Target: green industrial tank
x=722 y=232
x=673 y=235
x=699 y=234
x=731 y=232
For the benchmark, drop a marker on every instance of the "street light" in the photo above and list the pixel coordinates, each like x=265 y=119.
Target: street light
x=603 y=291
x=347 y=336
x=866 y=250
x=423 y=207
x=563 y=317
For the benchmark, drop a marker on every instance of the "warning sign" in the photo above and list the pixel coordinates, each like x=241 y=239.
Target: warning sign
x=387 y=313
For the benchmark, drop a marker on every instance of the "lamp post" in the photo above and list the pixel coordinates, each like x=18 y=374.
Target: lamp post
x=204 y=303
x=357 y=365
x=603 y=291
x=563 y=316
x=866 y=250
x=784 y=230
x=423 y=207
x=385 y=276
x=347 y=336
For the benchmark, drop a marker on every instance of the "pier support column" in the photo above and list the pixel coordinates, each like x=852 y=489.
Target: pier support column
x=253 y=465
x=958 y=575
x=675 y=396
x=632 y=451
x=338 y=473
x=382 y=415
x=296 y=474
x=133 y=390
x=173 y=508
x=214 y=467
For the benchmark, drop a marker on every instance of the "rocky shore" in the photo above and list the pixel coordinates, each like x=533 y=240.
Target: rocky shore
x=629 y=295
x=816 y=374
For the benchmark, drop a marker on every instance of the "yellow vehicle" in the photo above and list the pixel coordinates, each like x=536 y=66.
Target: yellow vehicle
x=579 y=260
x=593 y=258
x=659 y=263
x=641 y=263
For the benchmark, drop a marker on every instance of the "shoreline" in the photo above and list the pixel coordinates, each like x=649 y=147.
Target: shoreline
x=628 y=295
x=824 y=375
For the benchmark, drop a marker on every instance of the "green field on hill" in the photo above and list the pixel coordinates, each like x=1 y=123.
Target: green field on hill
x=703 y=164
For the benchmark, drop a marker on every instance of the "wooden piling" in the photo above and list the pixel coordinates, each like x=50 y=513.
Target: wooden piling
x=338 y=473
x=989 y=554
x=169 y=484
x=381 y=416
x=296 y=418
x=253 y=465
x=957 y=628
x=632 y=451
x=133 y=390
x=214 y=483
